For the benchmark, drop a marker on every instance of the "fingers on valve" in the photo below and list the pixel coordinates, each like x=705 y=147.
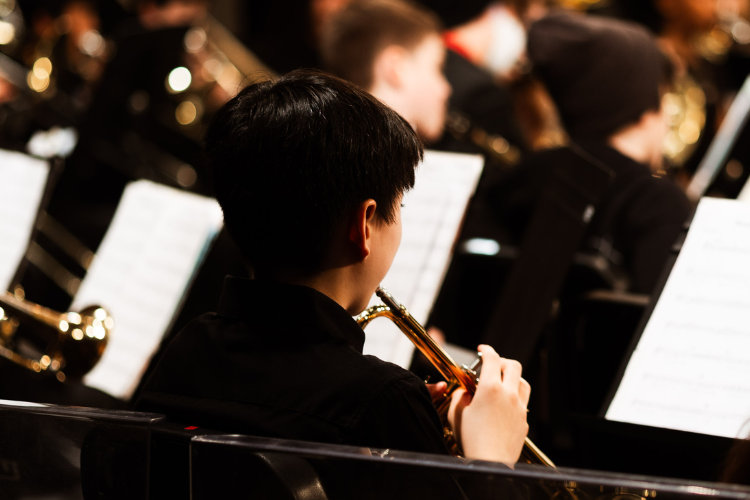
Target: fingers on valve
x=511 y=372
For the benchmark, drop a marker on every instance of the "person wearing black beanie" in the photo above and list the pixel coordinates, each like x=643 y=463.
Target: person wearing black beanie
x=605 y=77
x=602 y=74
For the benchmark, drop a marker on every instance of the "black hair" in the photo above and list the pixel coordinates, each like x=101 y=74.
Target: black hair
x=291 y=159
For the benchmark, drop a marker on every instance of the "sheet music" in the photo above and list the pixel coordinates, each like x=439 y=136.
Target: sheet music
x=22 y=182
x=153 y=247
x=430 y=218
x=691 y=368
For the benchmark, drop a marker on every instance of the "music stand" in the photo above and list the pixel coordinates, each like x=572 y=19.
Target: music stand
x=575 y=187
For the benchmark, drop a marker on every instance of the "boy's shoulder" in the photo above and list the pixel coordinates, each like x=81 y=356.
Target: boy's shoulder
x=274 y=379
x=302 y=355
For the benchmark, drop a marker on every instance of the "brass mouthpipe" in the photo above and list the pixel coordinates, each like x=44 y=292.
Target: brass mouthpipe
x=456 y=376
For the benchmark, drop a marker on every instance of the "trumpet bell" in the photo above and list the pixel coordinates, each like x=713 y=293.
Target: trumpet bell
x=67 y=345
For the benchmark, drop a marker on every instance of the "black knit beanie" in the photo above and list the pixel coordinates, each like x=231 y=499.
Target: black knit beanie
x=602 y=73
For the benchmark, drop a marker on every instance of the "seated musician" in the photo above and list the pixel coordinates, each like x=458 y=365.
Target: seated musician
x=606 y=78
x=309 y=171
x=393 y=50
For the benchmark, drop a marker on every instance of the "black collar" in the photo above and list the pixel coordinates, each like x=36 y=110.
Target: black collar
x=293 y=307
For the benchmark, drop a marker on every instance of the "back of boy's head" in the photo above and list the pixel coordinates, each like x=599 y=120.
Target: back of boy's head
x=291 y=160
x=359 y=32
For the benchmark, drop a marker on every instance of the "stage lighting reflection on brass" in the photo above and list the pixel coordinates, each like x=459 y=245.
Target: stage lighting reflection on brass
x=690 y=132
x=100 y=314
x=195 y=39
x=7 y=33
x=212 y=69
x=92 y=43
x=741 y=32
x=186 y=113
x=36 y=83
x=179 y=79
x=6 y=7
x=42 y=68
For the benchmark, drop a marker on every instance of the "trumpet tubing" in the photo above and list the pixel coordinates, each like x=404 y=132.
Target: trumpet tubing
x=455 y=375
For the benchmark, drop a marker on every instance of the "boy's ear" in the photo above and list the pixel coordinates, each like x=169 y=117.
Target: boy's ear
x=360 y=229
x=389 y=66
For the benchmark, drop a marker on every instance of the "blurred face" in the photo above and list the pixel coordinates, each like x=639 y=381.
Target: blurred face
x=425 y=88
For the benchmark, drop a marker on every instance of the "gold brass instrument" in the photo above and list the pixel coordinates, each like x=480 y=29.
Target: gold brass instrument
x=74 y=340
x=456 y=376
x=495 y=146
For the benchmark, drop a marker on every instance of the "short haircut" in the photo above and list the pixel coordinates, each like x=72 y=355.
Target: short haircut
x=354 y=37
x=291 y=159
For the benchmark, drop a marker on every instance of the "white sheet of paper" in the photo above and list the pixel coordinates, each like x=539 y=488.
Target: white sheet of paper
x=22 y=182
x=431 y=217
x=152 y=248
x=691 y=368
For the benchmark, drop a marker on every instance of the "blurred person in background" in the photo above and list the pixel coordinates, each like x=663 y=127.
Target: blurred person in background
x=485 y=42
x=606 y=79
x=393 y=50
x=708 y=42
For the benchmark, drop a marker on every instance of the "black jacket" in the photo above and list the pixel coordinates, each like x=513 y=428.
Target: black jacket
x=635 y=225
x=286 y=361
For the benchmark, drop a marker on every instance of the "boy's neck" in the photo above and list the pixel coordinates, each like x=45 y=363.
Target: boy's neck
x=337 y=284
x=642 y=141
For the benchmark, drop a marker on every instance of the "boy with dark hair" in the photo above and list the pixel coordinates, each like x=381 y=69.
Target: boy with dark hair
x=310 y=171
x=393 y=50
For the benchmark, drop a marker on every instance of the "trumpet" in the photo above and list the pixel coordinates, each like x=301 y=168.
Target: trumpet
x=73 y=341
x=457 y=376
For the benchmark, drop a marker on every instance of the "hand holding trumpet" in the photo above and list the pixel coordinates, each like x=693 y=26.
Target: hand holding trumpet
x=492 y=425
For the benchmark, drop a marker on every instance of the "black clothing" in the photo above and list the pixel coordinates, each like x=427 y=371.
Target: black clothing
x=485 y=103
x=635 y=225
x=286 y=361
x=489 y=107
x=452 y=13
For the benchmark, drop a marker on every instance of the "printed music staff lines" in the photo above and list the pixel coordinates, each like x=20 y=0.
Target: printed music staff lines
x=430 y=221
x=22 y=182
x=691 y=368
x=156 y=241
